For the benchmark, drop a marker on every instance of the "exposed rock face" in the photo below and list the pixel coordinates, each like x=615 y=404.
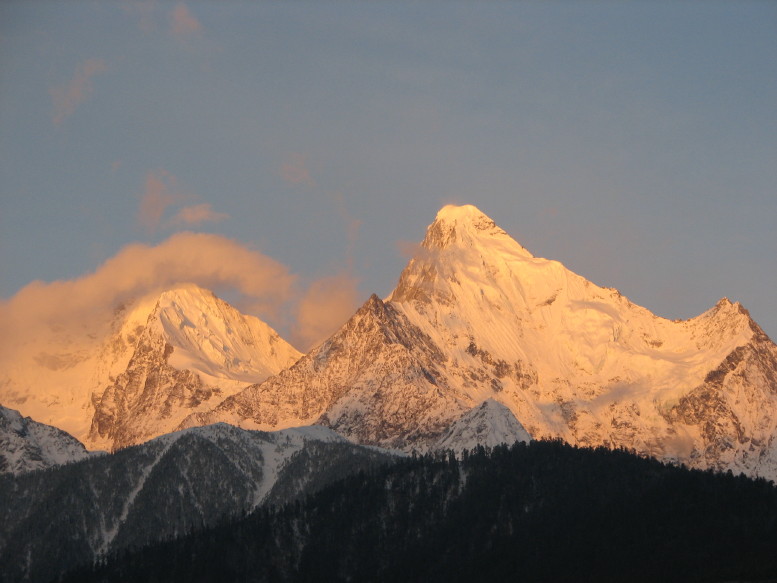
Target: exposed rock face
x=149 y=398
x=733 y=411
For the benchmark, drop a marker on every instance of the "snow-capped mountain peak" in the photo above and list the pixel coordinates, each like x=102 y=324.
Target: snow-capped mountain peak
x=464 y=245
x=466 y=226
x=474 y=318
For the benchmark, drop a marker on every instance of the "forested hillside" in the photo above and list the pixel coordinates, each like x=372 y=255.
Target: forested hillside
x=543 y=511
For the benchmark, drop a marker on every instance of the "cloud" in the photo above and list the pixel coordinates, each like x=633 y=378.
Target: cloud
x=182 y=22
x=84 y=305
x=144 y=10
x=196 y=214
x=66 y=98
x=408 y=249
x=294 y=170
x=326 y=305
x=64 y=313
x=160 y=192
x=352 y=226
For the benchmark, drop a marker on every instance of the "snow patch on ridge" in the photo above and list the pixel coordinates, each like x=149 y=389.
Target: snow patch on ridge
x=489 y=424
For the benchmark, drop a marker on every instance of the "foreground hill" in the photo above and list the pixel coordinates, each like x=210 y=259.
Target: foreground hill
x=544 y=511
x=55 y=519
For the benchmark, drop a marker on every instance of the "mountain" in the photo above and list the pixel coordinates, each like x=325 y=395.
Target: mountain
x=155 y=360
x=56 y=519
x=475 y=316
x=26 y=445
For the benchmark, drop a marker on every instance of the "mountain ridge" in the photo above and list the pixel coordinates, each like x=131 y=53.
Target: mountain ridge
x=486 y=319
x=474 y=318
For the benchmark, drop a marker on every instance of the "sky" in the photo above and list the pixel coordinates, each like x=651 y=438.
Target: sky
x=288 y=154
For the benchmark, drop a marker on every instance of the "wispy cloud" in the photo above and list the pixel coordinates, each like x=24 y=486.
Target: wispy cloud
x=326 y=305
x=66 y=98
x=182 y=22
x=160 y=192
x=352 y=226
x=143 y=10
x=294 y=170
x=85 y=305
x=197 y=214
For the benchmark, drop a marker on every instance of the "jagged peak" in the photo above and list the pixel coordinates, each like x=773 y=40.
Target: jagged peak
x=373 y=305
x=735 y=310
x=464 y=225
x=459 y=234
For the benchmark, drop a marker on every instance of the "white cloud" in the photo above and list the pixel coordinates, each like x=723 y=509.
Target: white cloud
x=325 y=306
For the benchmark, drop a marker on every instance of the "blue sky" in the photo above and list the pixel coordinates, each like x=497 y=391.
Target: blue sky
x=634 y=142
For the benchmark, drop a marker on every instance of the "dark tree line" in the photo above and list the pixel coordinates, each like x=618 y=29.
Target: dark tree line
x=545 y=511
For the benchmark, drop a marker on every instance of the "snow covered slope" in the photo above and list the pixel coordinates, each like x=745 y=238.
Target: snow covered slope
x=159 y=359
x=162 y=489
x=581 y=362
x=26 y=445
x=475 y=316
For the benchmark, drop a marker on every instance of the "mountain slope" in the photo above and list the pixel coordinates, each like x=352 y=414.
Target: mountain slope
x=475 y=316
x=26 y=445
x=53 y=520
